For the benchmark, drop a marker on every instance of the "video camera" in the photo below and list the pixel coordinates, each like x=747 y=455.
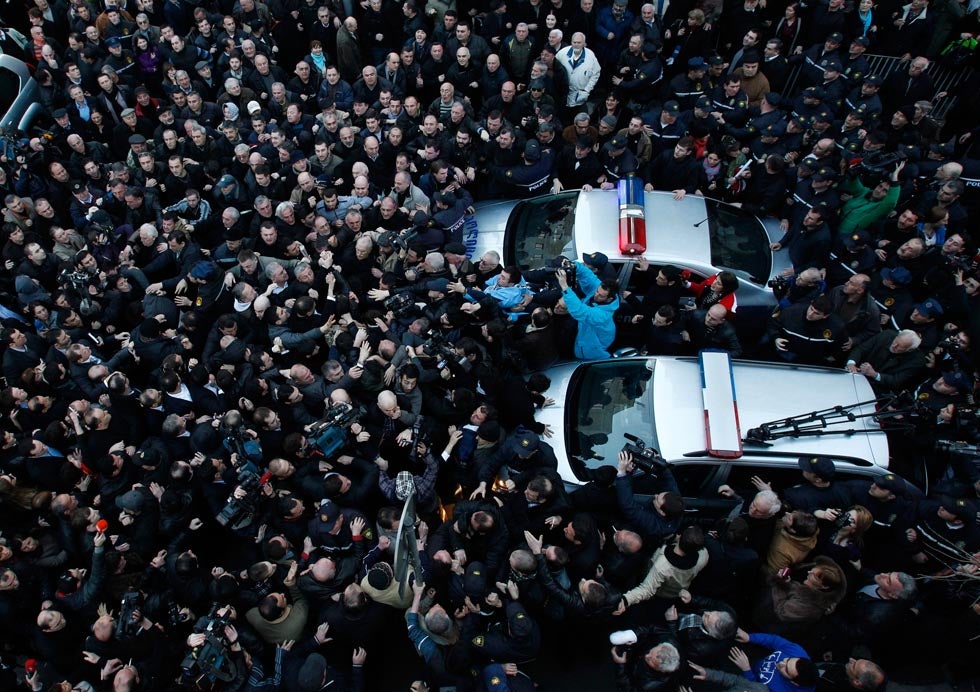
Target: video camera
x=130 y=611
x=211 y=661
x=779 y=286
x=437 y=346
x=647 y=459
x=239 y=511
x=876 y=167
x=401 y=304
x=329 y=434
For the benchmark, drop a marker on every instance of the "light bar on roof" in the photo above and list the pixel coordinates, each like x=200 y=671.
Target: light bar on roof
x=721 y=430
x=632 y=223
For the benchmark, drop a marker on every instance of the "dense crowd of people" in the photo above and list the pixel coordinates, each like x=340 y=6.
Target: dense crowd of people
x=241 y=328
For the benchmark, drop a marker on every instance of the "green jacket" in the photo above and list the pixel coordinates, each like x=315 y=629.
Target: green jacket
x=861 y=210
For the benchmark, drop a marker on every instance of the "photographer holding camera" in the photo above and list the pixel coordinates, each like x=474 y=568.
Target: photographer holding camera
x=593 y=311
x=664 y=517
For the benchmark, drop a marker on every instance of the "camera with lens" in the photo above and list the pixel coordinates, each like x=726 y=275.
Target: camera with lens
x=403 y=240
x=877 y=167
x=238 y=512
x=779 y=286
x=75 y=281
x=967 y=265
x=440 y=348
x=210 y=663
x=842 y=521
x=571 y=273
x=130 y=615
x=329 y=434
x=647 y=459
x=402 y=305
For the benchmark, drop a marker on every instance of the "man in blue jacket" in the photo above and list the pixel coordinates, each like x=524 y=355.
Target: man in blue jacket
x=594 y=314
x=787 y=669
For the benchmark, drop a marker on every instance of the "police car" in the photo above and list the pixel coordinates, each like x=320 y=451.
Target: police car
x=700 y=234
x=713 y=421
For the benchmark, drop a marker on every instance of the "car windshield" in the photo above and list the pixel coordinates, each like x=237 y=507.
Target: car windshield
x=606 y=400
x=540 y=229
x=739 y=242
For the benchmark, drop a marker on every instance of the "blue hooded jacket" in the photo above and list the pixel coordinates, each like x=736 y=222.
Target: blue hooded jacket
x=596 y=329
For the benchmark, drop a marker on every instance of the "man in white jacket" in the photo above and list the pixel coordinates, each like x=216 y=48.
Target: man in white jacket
x=583 y=71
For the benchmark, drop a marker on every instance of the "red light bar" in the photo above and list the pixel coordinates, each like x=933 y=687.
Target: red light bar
x=632 y=223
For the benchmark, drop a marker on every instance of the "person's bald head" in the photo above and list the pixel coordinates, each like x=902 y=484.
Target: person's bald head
x=716 y=315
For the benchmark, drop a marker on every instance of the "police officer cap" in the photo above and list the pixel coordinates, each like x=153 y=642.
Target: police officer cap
x=941 y=149
x=862 y=41
x=957 y=380
x=813 y=92
x=930 y=308
x=672 y=107
x=714 y=60
x=830 y=65
x=891 y=483
x=532 y=150
x=455 y=249
x=857 y=239
x=777 y=129
x=821 y=467
x=960 y=508
x=475 y=581
x=696 y=63
x=703 y=102
x=113 y=41
x=617 y=142
x=823 y=175
x=899 y=276
x=526 y=442
x=801 y=121
x=328 y=512
x=873 y=80
x=836 y=37
x=595 y=259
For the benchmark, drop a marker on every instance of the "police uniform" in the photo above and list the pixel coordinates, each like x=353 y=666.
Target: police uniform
x=854 y=69
x=734 y=108
x=664 y=135
x=518 y=638
x=849 y=141
x=528 y=178
x=871 y=104
x=686 y=91
x=810 y=341
x=806 y=496
x=755 y=125
x=640 y=88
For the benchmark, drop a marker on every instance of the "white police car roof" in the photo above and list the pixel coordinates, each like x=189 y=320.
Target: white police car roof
x=764 y=392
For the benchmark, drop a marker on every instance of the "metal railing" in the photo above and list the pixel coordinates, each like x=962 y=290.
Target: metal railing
x=945 y=80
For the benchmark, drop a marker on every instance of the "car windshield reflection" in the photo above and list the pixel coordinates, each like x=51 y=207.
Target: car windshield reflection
x=541 y=229
x=606 y=400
